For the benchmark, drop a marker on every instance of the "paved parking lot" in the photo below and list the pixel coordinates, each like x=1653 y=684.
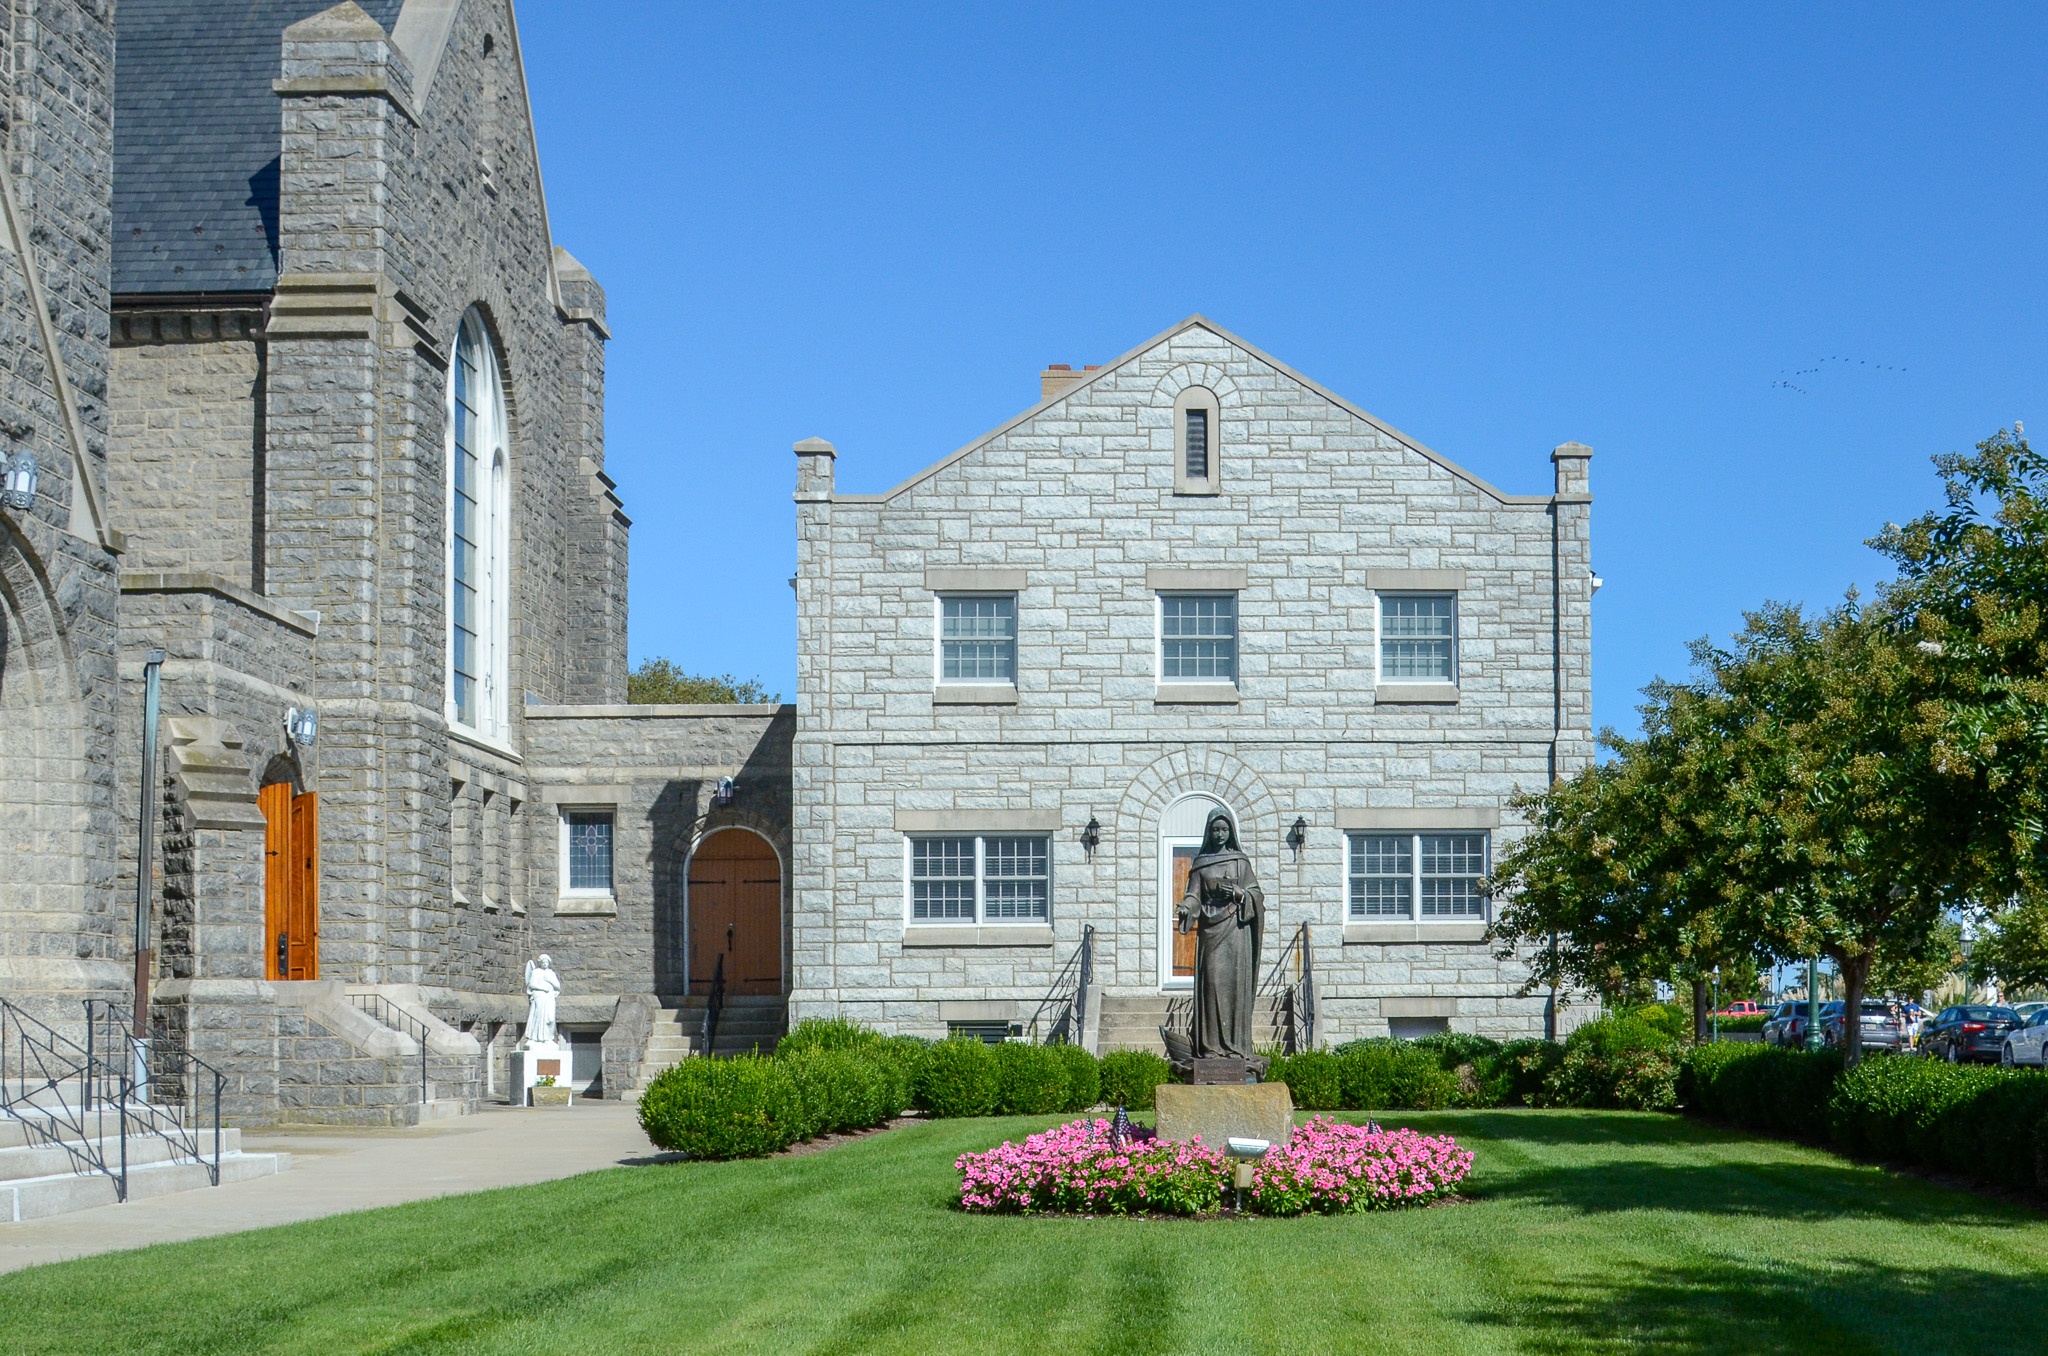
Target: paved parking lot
x=335 y=1171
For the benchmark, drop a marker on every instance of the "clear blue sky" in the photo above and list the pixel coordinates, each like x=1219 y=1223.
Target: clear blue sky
x=1765 y=260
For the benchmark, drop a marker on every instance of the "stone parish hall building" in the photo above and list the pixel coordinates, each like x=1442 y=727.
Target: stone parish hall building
x=315 y=406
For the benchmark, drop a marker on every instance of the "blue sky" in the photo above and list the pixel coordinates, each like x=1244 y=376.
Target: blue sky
x=1765 y=260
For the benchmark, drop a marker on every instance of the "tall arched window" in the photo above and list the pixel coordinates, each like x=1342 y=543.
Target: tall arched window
x=479 y=537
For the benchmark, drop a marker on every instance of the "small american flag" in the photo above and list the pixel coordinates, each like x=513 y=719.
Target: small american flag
x=1120 y=1129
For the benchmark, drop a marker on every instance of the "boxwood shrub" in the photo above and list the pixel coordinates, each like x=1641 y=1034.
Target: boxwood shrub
x=1084 y=1077
x=1129 y=1076
x=958 y=1076
x=1314 y=1079
x=1032 y=1079
x=724 y=1108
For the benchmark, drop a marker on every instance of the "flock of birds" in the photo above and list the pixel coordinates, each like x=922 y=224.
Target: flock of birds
x=1789 y=380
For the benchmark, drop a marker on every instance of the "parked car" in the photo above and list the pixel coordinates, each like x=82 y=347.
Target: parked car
x=1742 y=1009
x=2027 y=1044
x=2027 y=1010
x=1968 y=1032
x=1787 y=1026
x=1882 y=1029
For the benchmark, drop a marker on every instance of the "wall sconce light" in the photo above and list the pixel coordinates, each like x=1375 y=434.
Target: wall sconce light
x=725 y=792
x=22 y=473
x=301 y=724
x=1298 y=835
x=1091 y=836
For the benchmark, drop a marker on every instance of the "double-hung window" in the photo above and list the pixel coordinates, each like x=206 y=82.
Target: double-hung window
x=1197 y=637
x=978 y=638
x=1417 y=877
x=981 y=878
x=1418 y=638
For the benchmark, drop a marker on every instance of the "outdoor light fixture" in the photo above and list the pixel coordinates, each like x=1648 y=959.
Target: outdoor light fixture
x=1298 y=835
x=724 y=793
x=22 y=471
x=301 y=724
x=1091 y=836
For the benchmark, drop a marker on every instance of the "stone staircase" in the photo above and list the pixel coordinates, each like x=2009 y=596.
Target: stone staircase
x=745 y=1023
x=47 y=1168
x=1132 y=1022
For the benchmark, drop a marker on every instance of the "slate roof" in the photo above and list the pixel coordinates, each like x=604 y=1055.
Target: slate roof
x=197 y=130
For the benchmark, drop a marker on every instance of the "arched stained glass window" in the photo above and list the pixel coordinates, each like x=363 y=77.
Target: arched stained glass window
x=478 y=537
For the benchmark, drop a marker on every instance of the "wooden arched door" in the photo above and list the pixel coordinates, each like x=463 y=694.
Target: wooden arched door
x=735 y=906
x=291 y=882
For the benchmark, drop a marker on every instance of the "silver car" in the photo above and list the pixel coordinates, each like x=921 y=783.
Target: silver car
x=2026 y=1045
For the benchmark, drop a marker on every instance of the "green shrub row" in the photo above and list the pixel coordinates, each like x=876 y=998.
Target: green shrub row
x=1976 y=1121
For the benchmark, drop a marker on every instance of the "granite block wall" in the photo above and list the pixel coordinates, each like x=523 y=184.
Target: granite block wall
x=1074 y=508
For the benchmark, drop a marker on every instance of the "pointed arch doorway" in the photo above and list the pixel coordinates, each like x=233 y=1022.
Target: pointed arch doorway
x=735 y=909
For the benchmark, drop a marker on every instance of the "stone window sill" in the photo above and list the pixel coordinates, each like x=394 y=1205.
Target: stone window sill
x=586 y=906
x=1195 y=694
x=1014 y=935
x=1416 y=694
x=975 y=694
x=1393 y=934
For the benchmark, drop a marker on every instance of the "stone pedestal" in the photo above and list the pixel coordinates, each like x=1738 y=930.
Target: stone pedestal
x=1213 y=1113
x=533 y=1061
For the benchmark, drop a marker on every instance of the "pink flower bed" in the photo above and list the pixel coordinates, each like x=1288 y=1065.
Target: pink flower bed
x=1327 y=1168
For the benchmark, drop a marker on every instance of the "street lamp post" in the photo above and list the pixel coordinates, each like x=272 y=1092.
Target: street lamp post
x=145 y=848
x=1813 y=1003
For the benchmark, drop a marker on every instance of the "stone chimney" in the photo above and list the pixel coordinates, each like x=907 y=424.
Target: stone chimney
x=1057 y=377
x=1571 y=460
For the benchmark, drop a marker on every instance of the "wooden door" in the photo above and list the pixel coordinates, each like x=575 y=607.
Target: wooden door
x=736 y=912
x=291 y=883
x=1183 y=942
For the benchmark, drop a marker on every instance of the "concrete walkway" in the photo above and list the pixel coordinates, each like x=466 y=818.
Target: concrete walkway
x=335 y=1171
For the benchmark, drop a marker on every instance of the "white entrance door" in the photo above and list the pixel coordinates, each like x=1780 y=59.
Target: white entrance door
x=1180 y=838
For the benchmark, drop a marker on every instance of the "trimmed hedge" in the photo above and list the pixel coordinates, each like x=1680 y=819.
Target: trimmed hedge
x=1616 y=1062
x=724 y=1108
x=1129 y=1076
x=959 y=1077
x=1986 y=1123
x=1031 y=1079
x=1084 y=1077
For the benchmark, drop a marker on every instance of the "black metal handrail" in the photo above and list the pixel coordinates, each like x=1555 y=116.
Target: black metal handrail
x=383 y=1010
x=37 y=1065
x=1062 y=1014
x=714 y=1003
x=158 y=1085
x=1288 y=994
x=1303 y=1005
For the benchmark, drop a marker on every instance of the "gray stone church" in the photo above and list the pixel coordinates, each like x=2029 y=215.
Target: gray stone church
x=316 y=408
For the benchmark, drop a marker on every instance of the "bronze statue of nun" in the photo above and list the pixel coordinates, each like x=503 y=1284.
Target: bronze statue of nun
x=1226 y=909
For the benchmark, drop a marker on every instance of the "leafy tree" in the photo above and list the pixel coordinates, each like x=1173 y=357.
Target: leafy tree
x=1973 y=579
x=2014 y=951
x=1912 y=973
x=659 y=682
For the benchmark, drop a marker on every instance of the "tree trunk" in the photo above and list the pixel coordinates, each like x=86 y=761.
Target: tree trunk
x=1699 y=1011
x=1855 y=972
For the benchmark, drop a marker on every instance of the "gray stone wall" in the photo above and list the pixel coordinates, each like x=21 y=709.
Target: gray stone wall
x=658 y=768
x=1077 y=499
x=59 y=934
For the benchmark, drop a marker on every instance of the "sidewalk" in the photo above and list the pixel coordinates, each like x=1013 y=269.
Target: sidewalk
x=335 y=1171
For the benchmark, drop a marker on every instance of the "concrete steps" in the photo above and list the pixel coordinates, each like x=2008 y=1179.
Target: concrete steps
x=44 y=1169
x=745 y=1023
x=1132 y=1022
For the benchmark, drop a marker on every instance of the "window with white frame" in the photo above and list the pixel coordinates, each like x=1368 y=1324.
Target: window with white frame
x=1417 y=876
x=978 y=638
x=981 y=878
x=1198 y=637
x=587 y=852
x=479 y=537
x=1418 y=638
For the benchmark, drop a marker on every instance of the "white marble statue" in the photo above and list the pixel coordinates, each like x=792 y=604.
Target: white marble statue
x=542 y=985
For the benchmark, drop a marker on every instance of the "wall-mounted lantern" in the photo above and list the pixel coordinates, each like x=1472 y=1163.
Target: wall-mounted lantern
x=1091 y=836
x=1298 y=835
x=301 y=724
x=20 y=484
x=725 y=792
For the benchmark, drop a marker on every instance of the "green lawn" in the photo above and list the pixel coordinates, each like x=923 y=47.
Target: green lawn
x=1589 y=1232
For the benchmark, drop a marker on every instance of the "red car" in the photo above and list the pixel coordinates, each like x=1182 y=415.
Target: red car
x=1743 y=1009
